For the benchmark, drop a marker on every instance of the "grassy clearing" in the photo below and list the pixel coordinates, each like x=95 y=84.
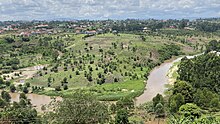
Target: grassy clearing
x=106 y=92
x=115 y=91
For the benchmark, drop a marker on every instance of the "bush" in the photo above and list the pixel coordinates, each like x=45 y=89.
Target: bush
x=25 y=89
x=12 y=88
x=65 y=87
x=57 y=88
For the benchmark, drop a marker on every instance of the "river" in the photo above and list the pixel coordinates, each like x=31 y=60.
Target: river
x=37 y=101
x=157 y=80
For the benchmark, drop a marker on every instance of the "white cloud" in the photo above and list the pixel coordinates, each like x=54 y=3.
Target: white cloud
x=103 y=9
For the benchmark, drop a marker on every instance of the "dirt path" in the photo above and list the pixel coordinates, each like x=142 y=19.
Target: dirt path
x=24 y=74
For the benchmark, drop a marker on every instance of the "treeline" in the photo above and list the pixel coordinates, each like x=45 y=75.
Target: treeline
x=196 y=93
x=20 y=112
x=213 y=45
x=80 y=108
x=167 y=51
x=201 y=72
x=128 y=25
x=208 y=26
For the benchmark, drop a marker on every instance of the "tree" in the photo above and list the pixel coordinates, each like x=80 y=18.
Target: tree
x=113 y=108
x=80 y=108
x=185 y=89
x=6 y=96
x=175 y=101
x=214 y=103
x=179 y=120
x=25 y=39
x=121 y=117
x=158 y=99
x=126 y=103
x=22 y=96
x=57 y=88
x=2 y=103
x=9 y=39
x=159 y=110
x=77 y=72
x=65 y=87
x=49 y=80
x=19 y=114
x=213 y=45
x=190 y=110
x=1 y=80
x=200 y=72
x=7 y=83
x=25 y=90
x=12 y=88
x=27 y=84
x=89 y=78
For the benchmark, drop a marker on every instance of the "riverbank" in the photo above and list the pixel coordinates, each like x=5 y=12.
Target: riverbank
x=172 y=73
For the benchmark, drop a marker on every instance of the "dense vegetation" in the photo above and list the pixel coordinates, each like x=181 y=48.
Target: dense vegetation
x=20 y=112
x=195 y=96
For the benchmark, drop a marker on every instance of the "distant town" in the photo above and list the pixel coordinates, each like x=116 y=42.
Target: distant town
x=30 y=28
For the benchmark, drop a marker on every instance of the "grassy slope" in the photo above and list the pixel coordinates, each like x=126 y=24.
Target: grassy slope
x=125 y=86
x=108 y=91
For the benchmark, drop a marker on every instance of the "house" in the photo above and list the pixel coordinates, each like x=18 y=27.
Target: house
x=146 y=29
x=26 y=34
x=41 y=26
x=100 y=31
x=79 y=30
x=115 y=32
x=172 y=27
x=92 y=32
x=188 y=28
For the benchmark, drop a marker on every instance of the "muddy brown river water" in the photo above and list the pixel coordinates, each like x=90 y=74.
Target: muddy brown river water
x=157 y=80
x=37 y=100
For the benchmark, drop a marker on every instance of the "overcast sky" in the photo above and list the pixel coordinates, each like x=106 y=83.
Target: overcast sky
x=107 y=9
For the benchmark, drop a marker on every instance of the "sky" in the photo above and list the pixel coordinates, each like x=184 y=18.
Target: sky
x=107 y=9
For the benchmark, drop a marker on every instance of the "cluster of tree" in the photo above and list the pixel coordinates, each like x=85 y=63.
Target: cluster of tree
x=208 y=26
x=159 y=106
x=213 y=45
x=20 y=112
x=168 y=51
x=197 y=89
x=202 y=82
x=189 y=120
x=83 y=108
x=201 y=72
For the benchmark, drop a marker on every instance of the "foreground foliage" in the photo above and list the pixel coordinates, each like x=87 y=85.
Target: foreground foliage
x=81 y=108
